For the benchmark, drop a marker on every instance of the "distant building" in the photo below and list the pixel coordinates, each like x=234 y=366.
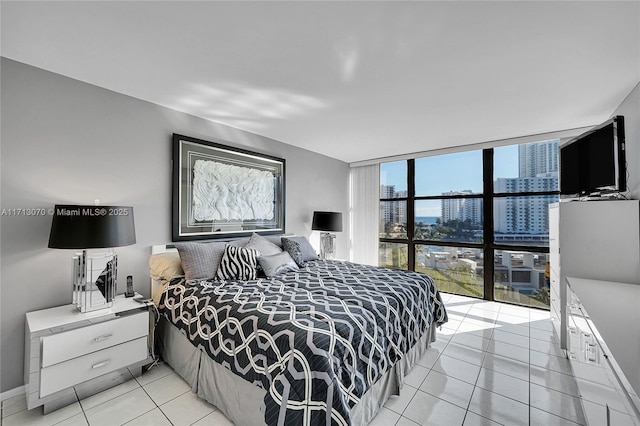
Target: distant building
x=527 y=218
x=538 y=158
x=394 y=211
x=524 y=215
x=400 y=209
x=462 y=208
x=386 y=208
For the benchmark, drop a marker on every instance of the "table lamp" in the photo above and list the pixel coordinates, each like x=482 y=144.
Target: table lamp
x=93 y=227
x=327 y=222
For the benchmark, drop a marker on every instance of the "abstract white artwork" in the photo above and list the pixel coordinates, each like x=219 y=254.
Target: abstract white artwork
x=220 y=191
x=227 y=192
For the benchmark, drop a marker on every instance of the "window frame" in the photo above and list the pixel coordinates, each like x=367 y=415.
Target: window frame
x=488 y=244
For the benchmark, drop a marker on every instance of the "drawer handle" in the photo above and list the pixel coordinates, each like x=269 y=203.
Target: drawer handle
x=101 y=364
x=103 y=337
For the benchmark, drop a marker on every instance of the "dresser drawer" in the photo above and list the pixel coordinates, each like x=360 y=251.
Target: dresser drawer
x=81 y=341
x=69 y=373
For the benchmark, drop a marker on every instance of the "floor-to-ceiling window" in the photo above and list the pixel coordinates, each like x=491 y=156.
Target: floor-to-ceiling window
x=394 y=243
x=476 y=221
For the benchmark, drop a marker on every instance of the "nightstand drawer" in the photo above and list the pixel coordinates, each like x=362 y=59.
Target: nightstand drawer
x=81 y=341
x=78 y=370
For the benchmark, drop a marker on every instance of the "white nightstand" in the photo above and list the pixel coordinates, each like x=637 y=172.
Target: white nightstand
x=64 y=347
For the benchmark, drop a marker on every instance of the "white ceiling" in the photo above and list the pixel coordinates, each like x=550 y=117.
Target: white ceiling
x=353 y=80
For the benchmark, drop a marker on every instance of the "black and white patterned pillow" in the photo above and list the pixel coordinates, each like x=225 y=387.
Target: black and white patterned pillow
x=238 y=263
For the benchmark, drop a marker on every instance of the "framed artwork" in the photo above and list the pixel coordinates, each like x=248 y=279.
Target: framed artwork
x=221 y=191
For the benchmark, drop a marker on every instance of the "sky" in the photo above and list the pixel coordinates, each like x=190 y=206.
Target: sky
x=451 y=172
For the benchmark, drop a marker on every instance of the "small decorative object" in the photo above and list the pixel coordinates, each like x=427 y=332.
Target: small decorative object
x=221 y=191
x=327 y=222
x=93 y=227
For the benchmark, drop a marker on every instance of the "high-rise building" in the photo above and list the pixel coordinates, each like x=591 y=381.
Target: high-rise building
x=462 y=208
x=392 y=212
x=386 y=208
x=537 y=171
x=400 y=209
x=537 y=158
x=524 y=215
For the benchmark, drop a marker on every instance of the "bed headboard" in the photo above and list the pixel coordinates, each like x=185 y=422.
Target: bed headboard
x=163 y=248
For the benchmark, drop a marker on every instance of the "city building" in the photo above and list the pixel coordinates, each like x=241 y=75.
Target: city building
x=524 y=215
x=462 y=208
x=392 y=212
x=535 y=159
x=525 y=219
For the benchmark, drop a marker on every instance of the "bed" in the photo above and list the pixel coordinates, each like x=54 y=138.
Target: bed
x=318 y=342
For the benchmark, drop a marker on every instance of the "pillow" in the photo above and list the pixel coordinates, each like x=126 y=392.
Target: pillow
x=263 y=245
x=200 y=260
x=164 y=266
x=277 y=263
x=300 y=249
x=275 y=239
x=238 y=263
x=241 y=242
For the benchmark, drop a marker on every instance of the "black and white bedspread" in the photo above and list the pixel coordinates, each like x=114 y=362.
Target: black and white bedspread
x=315 y=339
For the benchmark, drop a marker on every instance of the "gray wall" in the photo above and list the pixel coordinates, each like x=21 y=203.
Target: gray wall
x=630 y=108
x=65 y=141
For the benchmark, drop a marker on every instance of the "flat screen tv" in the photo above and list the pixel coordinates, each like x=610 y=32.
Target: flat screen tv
x=594 y=163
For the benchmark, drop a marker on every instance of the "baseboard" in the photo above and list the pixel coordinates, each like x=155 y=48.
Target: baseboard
x=11 y=393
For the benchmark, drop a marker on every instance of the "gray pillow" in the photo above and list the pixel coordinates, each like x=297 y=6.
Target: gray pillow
x=263 y=245
x=300 y=249
x=239 y=242
x=200 y=261
x=277 y=263
x=275 y=239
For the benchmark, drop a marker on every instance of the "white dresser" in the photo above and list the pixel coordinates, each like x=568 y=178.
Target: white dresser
x=600 y=335
x=598 y=240
x=64 y=347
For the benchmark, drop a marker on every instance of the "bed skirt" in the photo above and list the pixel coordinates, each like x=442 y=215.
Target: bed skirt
x=242 y=402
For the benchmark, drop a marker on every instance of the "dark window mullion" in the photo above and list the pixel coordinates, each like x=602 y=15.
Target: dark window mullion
x=393 y=199
x=394 y=240
x=487 y=221
x=411 y=193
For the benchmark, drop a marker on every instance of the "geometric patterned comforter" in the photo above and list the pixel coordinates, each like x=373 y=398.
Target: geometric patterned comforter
x=315 y=339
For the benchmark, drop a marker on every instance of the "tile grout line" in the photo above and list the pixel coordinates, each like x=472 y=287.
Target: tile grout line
x=482 y=366
x=154 y=402
x=84 y=413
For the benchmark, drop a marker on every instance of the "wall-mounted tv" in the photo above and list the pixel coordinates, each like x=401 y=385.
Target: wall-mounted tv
x=594 y=163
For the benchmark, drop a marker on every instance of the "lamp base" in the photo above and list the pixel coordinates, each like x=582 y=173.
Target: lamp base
x=327 y=246
x=94 y=280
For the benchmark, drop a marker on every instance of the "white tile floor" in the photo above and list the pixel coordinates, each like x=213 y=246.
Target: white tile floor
x=491 y=364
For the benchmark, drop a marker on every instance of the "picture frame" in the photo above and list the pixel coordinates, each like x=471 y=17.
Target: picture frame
x=220 y=191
